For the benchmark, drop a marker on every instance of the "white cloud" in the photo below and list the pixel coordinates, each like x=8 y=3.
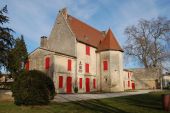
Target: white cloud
x=36 y=18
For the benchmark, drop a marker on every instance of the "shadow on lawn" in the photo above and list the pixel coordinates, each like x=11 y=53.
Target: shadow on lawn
x=98 y=106
x=145 y=101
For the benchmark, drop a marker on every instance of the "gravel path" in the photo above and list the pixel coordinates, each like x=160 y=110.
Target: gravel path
x=77 y=97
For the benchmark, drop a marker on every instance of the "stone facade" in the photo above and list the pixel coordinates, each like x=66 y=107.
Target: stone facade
x=166 y=80
x=129 y=81
x=147 y=78
x=73 y=59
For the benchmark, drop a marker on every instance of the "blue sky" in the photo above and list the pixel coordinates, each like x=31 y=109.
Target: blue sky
x=35 y=18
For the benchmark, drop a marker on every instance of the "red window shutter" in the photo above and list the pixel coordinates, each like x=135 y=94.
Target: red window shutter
x=105 y=65
x=94 y=83
x=47 y=62
x=60 y=81
x=87 y=68
x=87 y=50
x=27 y=65
x=69 y=65
x=128 y=83
x=80 y=83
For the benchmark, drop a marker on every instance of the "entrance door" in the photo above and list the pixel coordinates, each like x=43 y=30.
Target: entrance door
x=87 y=85
x=69 y=84
x=133 y=86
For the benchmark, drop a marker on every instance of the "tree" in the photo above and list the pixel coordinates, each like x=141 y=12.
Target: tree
x=6 y=38
x=148 y=41
x=33 y=88
x=17 y=56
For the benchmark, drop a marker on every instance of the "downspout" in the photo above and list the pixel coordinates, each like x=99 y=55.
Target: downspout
x=100 y=72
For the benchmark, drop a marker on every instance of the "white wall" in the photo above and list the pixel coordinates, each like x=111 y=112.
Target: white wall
x=60 y=69
x=91 y=60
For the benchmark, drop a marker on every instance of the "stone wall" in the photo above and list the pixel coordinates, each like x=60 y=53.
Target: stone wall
x=82 y=58
x=61 y=69
x=61 y=39
x=112 y=79
x=146 y=78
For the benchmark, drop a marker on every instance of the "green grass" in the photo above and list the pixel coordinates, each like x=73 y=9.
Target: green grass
x=144 y=103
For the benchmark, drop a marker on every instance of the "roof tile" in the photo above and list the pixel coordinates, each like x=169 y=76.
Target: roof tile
x=91 y=36
x=109 y=43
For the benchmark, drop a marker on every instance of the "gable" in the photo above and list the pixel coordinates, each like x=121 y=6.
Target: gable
x=61 y=39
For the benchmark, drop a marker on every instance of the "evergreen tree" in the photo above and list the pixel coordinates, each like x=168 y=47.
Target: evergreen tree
x=17 y=56
x=6 y=38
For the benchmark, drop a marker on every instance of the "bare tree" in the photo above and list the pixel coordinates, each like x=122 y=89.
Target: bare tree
x=148 y=41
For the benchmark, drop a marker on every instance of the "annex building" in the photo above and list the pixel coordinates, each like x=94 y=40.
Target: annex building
x=78 y=55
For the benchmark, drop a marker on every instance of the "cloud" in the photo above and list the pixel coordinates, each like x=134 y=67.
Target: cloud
x=83 y=9
x=34 y=18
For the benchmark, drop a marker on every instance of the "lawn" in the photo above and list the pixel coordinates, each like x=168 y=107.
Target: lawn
x=144 y=103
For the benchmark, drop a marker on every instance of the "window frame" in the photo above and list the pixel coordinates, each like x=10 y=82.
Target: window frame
x=60 y=82
x=105 y=65
x=69 y=65
x=87 y=68
x=80 y=83
x=47 y=63
x=87 y=50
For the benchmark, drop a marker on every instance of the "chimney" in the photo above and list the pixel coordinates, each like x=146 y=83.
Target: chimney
x=104 y=33
x=43 y=42
x=64 y=12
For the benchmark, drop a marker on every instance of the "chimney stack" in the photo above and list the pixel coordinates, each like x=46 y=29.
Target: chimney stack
x=104 y=33
x=43 y=43
x=64 y=12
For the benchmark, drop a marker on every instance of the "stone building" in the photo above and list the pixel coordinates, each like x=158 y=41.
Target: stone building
x=128 y=80
x=78 y=55
x=146 y=78
x=166 y=80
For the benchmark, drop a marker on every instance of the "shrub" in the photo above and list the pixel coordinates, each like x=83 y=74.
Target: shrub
x=76 y=89
x=33 y=88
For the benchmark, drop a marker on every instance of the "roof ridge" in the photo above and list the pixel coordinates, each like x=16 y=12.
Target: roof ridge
x=85 y=23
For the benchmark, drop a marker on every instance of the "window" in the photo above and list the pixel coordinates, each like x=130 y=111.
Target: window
x=128 y=83
x=87 y=68
x=47 y=62
x=27 y=65
x=87 y=50
x=94 y=83
x=80 y=83
x=69 y=65
x=60 y=81
x=128 y=74
x=105 y=65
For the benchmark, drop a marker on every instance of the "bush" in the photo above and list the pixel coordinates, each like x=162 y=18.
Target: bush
x=33 y=88
x=76 y=89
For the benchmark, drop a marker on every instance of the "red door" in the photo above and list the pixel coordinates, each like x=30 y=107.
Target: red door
x=87 y=85
x=133 y=86
x=69 y=84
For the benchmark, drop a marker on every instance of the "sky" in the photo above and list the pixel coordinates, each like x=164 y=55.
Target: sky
x=35 y=18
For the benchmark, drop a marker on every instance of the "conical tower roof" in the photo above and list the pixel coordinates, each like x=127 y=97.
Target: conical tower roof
x=109 y=43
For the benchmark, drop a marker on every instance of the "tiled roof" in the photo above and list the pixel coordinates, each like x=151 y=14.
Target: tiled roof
x=91 y=36
x=109 y=43
x=85 y=33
